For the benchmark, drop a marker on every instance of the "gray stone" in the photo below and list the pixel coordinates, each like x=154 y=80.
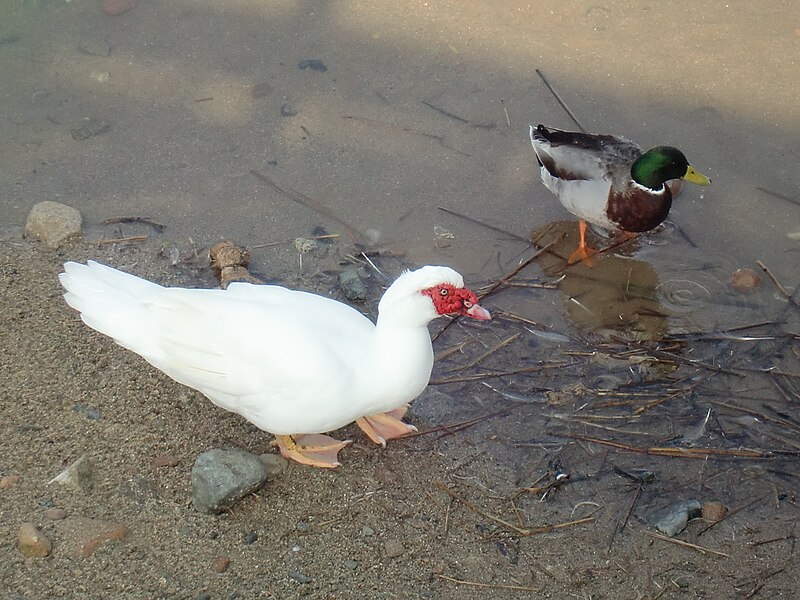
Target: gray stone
x=95 y=47
x=299 y=577
x=54 y=223
x=353 y=286
x=287 y=110
x=221 y=477
x=89 y=127
x=673 y=519
x=77 y=476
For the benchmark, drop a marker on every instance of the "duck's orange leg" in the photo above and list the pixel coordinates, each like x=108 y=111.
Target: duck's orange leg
x=381 y=427
x=583 y=252
x=312 y=449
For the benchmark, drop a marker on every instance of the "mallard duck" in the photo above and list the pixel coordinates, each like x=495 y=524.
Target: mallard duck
x=609 y=181
x=292 y=363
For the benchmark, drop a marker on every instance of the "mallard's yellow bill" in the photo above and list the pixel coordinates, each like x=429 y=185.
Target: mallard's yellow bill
x=696 y=177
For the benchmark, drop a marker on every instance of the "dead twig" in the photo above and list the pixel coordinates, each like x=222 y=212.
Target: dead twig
x=498 y=586
x=677 y=542
x=486 y=225
x=315 y=205
x=455 y=427
x=117 y=220
x=697 y=453
x=133 y=238
x=777 y=283
x=490 y=351
x=484 y=514
x=495 y=374
x=559 y=100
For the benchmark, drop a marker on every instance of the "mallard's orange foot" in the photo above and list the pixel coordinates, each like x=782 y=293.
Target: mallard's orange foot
x=312 y=449
x=381 y=427
x=582 y=254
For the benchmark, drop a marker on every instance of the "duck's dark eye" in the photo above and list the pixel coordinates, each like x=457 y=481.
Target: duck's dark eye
x=443 y=292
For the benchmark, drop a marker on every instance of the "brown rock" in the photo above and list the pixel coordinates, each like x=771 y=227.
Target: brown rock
x=83 y=536
x=32 y=542
x=165 y=460
x=230 y=263
x=54 y=223
x=714 y=511
x=116 y=7
x=221 y=564
x=55 y=514
x=744 y=280
x=9 y=481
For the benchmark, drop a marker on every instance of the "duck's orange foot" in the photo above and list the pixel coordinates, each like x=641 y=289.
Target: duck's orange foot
x=311 y=449
x=582 y=254
x=381 y=427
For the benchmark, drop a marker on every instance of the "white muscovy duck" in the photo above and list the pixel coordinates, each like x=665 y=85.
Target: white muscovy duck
x=293 y=363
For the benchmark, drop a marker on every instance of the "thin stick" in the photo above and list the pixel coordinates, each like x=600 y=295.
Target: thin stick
x=560 y=101
x=491 y=351
x=116 y=220
x=133 y=238
x=444 y=112
x=700 y=453
x=495 y=374
x=455 y=426
x=486 y=225
x=316 y=237
x=505 y=110
x=775 y=280
x=485 y=515
x=313 y=204
x=498 y=586
x=677 y=542
x=777 y=195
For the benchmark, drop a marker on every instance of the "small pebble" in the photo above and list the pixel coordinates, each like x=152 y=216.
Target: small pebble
x=221 y=564
x=77 y=476
x=100 y=76
x=313 y=64
x=32 y=542
x=116 y=7
x=393 y=548
x=744 y=280
x=352 y=285
x=714 y=511
x=89 y=127
x=302 y=526
x=9 y=481
x=261 y=90
x=367 y=531
x=250 y=537
x=351 y=564
x=165 y=460
x=55 y=514
x=287 y=110
x=299 y=577
x=203 y=596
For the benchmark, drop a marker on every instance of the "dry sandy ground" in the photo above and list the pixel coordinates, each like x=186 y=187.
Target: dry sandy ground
x=382 y=526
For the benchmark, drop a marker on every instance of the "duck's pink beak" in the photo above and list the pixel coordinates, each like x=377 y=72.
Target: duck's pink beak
x=480 y=313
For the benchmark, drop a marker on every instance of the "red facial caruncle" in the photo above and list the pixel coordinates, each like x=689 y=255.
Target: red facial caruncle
x=449 y=299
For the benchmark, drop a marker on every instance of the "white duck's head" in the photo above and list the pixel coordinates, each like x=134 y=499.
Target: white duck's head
x=419 y=296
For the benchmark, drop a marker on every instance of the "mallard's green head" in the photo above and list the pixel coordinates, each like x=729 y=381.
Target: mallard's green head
x=661 y=164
